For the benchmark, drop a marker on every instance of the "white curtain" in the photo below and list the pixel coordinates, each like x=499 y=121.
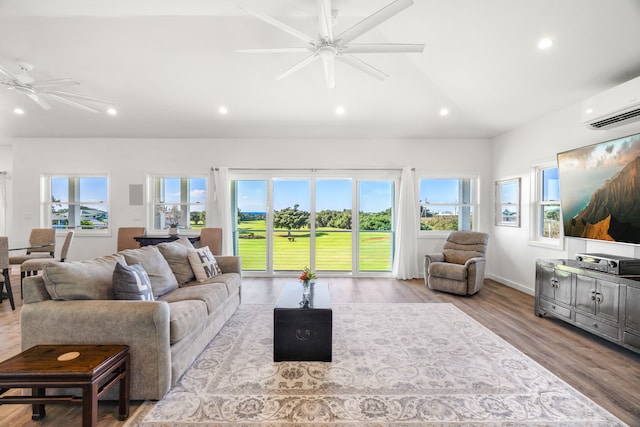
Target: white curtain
x=405 y=259
x=222 y=207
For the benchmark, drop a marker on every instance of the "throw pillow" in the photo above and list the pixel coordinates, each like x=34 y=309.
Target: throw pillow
x=80 y=280
x=162 y=278
x=203 y=263
x=176 y=255
x=131 y=282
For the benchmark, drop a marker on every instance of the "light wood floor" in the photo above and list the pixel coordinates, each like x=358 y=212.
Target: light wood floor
x=606 y=373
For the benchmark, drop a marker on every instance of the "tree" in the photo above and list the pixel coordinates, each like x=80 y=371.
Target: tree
x=290 y=218
x=378 y=221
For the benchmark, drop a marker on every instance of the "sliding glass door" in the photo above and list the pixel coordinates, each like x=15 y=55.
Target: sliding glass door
x=290 y=224
x=333 y=225
x=284 y=224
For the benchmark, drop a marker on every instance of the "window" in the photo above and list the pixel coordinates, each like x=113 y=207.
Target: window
x=508 y=202
x=179 y=201
x=546 y=228
x=446 y=204
x=78 y=203
x=288 y=220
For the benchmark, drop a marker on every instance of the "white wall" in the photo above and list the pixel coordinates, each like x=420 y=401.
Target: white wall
x=129 y=161
x=511 y=259
x=5 y=166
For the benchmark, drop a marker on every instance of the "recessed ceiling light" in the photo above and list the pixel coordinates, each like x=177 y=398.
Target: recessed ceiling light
x=112 y=111
x=589 y=111
x=340 y=110
x=18 y=111
x=223 y=110
x=444 y=112
x=545 y=43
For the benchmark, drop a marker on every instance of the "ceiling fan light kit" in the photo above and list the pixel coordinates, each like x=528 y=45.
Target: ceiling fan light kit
x=330 y=48
x=41 y=92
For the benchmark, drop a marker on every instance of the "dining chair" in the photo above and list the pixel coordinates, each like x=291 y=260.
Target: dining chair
x=42 y=242
x=126 y=237
x=5 y=281
x=212 y=237
x=32 y=266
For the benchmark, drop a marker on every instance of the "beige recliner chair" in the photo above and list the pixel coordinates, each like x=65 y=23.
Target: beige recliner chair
x=459 y=268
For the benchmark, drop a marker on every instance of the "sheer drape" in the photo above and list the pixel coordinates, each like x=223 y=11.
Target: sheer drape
x=222 y=207
x=405 y=259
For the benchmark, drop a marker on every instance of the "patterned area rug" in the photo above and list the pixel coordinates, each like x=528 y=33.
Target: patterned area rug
x=393 y=364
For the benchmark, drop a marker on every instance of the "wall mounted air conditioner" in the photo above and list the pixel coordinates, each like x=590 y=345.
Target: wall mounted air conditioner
x=617 y=106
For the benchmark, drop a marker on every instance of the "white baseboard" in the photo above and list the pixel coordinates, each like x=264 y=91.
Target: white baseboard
x=511 y=284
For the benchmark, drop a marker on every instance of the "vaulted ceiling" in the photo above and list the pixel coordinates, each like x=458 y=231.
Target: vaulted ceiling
x=168 y=65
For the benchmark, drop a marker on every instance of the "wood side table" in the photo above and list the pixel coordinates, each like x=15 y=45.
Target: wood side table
x=92 y=368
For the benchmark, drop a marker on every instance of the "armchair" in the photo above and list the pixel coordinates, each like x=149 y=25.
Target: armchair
x=459 y=268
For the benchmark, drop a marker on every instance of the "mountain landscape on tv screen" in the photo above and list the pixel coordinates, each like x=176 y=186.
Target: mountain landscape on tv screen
x=613 y=211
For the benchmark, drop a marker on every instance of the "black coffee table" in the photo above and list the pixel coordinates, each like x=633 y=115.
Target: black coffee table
x=302 y=332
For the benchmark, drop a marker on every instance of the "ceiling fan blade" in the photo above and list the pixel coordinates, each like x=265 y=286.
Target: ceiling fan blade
x=39 y=100
x=56 y=82
x=308 y=60
x=373 y=20
x=325 y=21
x=9 y=74
x=329 y=64
x=74 y=95
x=281 y=25
x=362 y=66
x=72 y=103
x=277 y=50
x=382 y=48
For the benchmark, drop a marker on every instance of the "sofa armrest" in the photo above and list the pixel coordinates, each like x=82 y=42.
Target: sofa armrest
x=34 y=290
x=475 y=276
x=142 y=325
x=428 y=259
x=229 y=263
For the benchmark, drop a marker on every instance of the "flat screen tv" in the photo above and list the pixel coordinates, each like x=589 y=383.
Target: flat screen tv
x=600 y=190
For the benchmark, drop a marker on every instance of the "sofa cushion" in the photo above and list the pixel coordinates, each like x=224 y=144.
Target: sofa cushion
x=232 y=282
x=185 y=317
x=459 y=257
x=448 y=270
x=90 y=279
x=131 y=282
x=176 y=255
x=203 y=263
x=213 y=295
x=162 y=278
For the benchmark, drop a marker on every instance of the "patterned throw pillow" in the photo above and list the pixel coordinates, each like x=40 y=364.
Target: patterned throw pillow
x=131 y=282
x=203 y=263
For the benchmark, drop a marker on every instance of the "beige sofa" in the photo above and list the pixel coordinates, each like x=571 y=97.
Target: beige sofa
x=72 y=303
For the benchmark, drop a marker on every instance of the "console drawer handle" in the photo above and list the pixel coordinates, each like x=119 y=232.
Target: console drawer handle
x=303 y=334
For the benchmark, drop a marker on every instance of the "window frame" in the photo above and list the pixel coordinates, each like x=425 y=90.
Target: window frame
x=46 y=217
x=537 y=205
x=154 y=184
x=474 y=182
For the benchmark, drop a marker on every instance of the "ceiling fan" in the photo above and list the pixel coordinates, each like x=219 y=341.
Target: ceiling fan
x=329 y=47
x=42 y=91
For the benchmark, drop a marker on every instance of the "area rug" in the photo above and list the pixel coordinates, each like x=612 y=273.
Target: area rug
x=393 y=364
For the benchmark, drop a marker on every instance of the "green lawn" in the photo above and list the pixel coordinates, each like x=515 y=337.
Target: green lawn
x=333 y=249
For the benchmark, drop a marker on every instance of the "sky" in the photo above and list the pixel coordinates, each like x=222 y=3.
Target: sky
x=95 y=189
x=376 y=196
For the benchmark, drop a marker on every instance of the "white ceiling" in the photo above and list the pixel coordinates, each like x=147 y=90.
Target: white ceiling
x=169 y=64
